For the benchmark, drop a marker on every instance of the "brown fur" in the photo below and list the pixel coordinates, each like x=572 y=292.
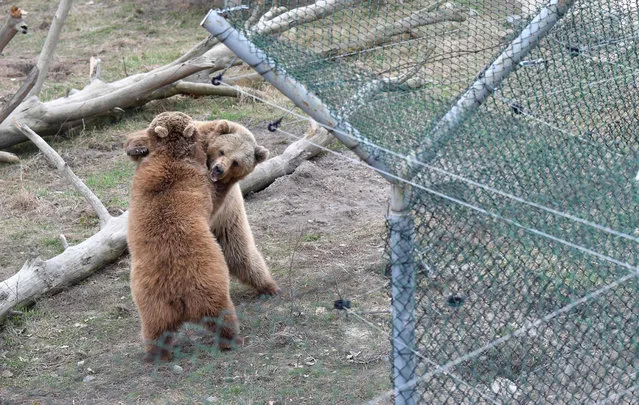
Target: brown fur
x=178 y=271
x=228 y=220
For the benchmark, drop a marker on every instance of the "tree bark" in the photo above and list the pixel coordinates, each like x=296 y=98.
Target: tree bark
x=11 y=27
x=49 y=44
x=39 y=277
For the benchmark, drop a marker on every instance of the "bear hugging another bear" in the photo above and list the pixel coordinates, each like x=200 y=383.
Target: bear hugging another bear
x=178 y=270
x=224 y=143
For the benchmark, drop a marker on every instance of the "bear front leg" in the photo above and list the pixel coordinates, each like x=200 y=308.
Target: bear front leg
x=251 y=269
x=233 y=232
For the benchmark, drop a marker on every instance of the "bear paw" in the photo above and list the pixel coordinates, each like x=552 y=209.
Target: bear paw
x=270 y=290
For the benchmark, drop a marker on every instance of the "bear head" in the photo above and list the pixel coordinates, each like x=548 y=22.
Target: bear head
x=232 y=152
x=174 y=132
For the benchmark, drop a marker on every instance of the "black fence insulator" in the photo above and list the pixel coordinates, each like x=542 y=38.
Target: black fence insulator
x=217 y=79
x=517 y=108
x=455 y=301
x=342 y=304
x=272 y=127
x=574 y=50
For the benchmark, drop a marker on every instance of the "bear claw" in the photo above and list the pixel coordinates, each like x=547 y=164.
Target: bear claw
x=138 y=151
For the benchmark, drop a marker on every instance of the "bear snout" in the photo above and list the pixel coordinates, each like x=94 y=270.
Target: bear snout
x=216 y=171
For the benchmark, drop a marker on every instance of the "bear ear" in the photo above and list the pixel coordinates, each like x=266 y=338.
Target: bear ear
x=261 y=154
x=161 y=131
x=223 y=127
x=189 y=131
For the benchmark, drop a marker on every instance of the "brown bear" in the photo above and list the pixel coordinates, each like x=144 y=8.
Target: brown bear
x=178 y=271
x=232 y=153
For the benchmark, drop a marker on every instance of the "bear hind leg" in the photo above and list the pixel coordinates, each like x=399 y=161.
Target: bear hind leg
x=158 y=328
x=224 y=327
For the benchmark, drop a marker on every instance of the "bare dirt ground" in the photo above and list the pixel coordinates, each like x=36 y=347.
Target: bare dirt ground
x=320 y=230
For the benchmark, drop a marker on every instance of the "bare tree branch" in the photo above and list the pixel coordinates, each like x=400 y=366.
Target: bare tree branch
x=198 y=50
x=302 y=15
x=20 y=95
x=63 y=241
x=50 y=43
x=11 y=27
x=56 y=160
x=272 y=13
x=385 y=32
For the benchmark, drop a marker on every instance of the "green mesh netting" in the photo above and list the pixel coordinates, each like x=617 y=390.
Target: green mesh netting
x=526 y=219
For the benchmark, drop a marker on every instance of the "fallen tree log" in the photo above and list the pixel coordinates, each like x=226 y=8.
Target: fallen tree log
x=39 y=277
x=286 y=163
x=100 y=99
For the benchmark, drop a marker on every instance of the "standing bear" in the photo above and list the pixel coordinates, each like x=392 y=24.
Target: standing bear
x=178 y=271
x=232 y=153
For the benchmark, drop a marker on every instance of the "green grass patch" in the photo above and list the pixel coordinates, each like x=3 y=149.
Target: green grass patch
x=312 y=237
x=106 y=184
x=52 y=243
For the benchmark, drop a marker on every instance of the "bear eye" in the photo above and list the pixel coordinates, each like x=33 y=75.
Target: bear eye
x=235 y=164
x=221 y=153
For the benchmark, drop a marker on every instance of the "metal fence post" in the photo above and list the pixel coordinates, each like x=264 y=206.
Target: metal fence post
x=401 y=226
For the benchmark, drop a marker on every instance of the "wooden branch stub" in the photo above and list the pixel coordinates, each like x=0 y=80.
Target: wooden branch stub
x=60 y=164
x=15 y=12
x=64 y=242
x=95 y=68
x=12 y=26
x=6 y=157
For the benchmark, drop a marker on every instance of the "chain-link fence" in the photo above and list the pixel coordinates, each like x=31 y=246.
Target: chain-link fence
x=509 y=128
